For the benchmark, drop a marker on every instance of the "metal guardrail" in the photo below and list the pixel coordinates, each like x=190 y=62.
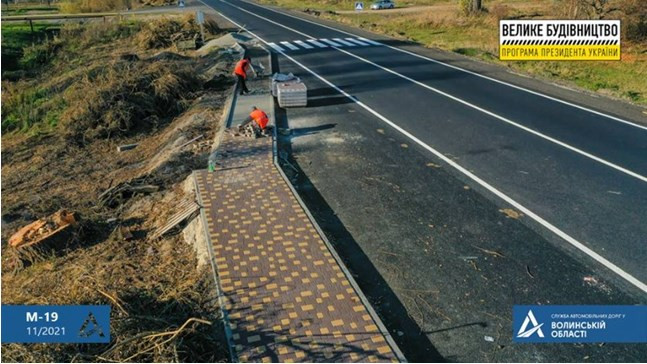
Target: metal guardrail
x=60 y=16
x=40 y=17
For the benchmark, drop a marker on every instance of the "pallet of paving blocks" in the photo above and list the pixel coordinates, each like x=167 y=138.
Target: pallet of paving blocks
x=292 y=94
x=282 y=78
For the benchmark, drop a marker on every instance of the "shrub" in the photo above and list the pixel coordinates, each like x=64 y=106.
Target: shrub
x=41 y=54
x=91 y=6
x=22 y=107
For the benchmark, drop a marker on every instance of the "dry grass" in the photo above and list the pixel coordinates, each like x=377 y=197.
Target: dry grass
x=127 y=97
x=164 y=32
x=98 y=84
x=162 y=306
x=153 y=289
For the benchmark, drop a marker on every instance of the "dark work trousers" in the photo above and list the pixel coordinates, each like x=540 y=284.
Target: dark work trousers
x=241 y=82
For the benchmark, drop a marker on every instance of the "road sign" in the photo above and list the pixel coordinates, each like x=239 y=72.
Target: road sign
x=359 y=6
x=180 y=3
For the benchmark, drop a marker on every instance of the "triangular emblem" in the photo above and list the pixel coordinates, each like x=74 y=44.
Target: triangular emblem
x=90 y=327
x=536 y=327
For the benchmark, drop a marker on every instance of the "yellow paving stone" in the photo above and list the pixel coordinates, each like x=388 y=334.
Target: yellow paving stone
x=377 y=339
x=307 y=307
x=337 y=322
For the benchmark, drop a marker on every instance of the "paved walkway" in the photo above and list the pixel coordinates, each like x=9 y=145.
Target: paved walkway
x=285 y=296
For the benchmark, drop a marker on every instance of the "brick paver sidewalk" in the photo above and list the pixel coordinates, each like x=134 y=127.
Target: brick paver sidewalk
x=285 y=296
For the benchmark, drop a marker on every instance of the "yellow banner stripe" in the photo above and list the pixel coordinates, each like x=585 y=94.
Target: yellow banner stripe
x=559 y=53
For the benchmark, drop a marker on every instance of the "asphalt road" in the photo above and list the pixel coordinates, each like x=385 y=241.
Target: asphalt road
x=409 y=177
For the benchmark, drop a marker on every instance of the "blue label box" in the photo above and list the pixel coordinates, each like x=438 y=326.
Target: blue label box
x=579 y=324
x=55 y=324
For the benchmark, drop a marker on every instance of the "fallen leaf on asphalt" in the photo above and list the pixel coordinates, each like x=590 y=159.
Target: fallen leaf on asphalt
x=511 y=213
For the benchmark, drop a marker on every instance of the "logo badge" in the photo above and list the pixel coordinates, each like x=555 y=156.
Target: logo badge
x=524 y=331
x=90 y=327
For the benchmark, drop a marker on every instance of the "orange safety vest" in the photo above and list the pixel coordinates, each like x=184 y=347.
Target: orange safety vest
x=241 y=68
x=260 y=117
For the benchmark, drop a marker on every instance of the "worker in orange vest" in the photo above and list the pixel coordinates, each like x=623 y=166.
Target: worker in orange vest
x=259 y=119
x=241 y=73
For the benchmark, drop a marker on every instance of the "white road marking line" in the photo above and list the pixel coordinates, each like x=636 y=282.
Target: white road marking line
x=349 y=44
x=357 y=41
x=304 y=45
x=461 y=69
x=318 y=44
x=329 y=42
x=600 y=259
x=290 y=45
x=468 y=104
x=275 y=46
x=370 y=41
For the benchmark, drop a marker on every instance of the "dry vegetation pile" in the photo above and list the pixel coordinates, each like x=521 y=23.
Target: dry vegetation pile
x=161 y=33
x=99 y=88
x=127 y=97
x=95 y=87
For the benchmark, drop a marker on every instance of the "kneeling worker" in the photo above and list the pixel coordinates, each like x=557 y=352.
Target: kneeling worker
x=258 y=120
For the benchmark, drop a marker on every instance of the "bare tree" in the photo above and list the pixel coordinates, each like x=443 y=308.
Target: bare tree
x=470 y=6
x=476 y=5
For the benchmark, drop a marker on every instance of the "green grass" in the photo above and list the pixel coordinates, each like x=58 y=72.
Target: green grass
x=34 y=104
x=18 y=35
x=28 y=10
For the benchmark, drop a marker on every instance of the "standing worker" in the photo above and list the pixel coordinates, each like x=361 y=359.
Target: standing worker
x=258 y=120
x=241 y=73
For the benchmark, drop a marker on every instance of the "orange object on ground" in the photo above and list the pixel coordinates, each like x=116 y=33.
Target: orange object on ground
x=42 y=229
x=260 y=117
x=241 y=68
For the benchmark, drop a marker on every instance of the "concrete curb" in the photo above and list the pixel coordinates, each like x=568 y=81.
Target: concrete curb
x=226 y=117
x=227 y=114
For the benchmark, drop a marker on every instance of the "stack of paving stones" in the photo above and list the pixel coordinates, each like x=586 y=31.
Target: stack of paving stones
x=284 y=295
